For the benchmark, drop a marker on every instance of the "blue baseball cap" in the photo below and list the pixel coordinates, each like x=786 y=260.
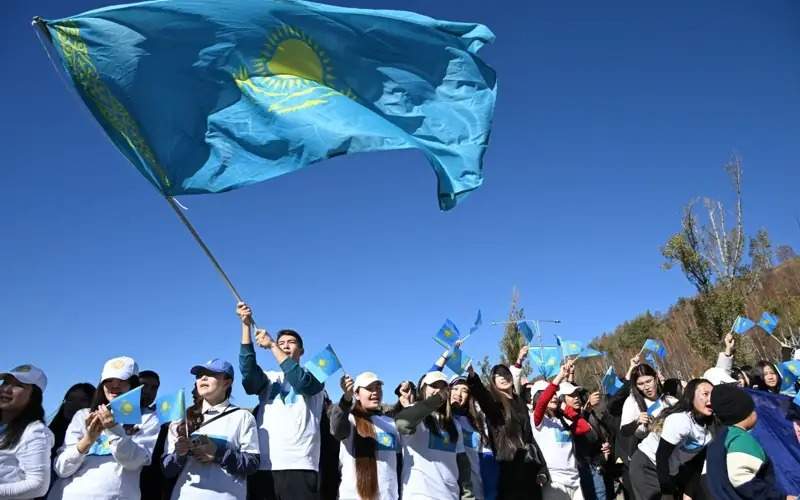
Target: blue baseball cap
x=214 y=366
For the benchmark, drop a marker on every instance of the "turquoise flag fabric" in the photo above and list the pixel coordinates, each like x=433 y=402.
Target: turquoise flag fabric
x=447 y=335
x=477 y=324
x=127 y=408
x=768 y=322
x=546 y=359
x=611 y=382
x=742 y=324
x=204 y=97
x=588 y=352
x=324 y=364
x=171 y=407
x=655 y=346
x=528 y=329
x=569 y=347
x=457 y=362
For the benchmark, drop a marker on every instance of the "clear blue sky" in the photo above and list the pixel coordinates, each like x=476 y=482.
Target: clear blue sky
x=610 y=117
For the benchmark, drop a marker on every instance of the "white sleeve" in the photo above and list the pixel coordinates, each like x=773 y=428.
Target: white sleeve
x=33 y=457
x=248 y=434
x=676 y=427
x=133 y=452
x=516 y=377
x=172 y=438
x=630 y=412
x=725 y=362
x=69 y=459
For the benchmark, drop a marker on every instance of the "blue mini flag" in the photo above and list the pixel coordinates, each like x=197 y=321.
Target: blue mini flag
x=742 y=324
x=447 y=335
x=611 y=382
x=768 y=322
x=457 y=362
x=790 y=372
x=651 y=360
x=204 y=97
x=588 y=352
x=386 y=441
x=524 y=328
x=547 y=360
x=569 y=347
x=653 y=408
x=656 y=347
x=127 y=408
x=477 y=324
x=171 y=407
x=324 y=364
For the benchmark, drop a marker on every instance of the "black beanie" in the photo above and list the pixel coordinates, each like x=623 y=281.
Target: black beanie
x=731 y=404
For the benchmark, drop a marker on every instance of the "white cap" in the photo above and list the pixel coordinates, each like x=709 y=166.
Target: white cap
x=364 y=379
x=433 y=377
x=718 y=376
x=567 y=389
x=539 y=386
x=28 y=374
x=122 y=368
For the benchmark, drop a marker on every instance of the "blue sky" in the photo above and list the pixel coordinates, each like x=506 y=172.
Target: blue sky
x=609 y=118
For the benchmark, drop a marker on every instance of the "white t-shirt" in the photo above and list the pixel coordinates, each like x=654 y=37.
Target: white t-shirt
x=25 y=467
x=559 y=451
x=111 y=468
x=288 y=426
x=386 y=459
x=198 y=481
x=685 y=433
x=472 y=447
x=430 y=469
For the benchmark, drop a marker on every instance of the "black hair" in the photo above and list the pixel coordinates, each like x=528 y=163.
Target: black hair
x=291 y=333
x=757 y=377
x=32 y=412
x=644 y=370
x=194 y=413
x=150 y=374
x=743 y=371
x=686 y=403
x=59 y=424
x=673 y=387
x=100 y=394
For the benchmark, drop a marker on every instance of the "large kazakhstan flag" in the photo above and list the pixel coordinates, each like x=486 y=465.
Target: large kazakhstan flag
x=207 y=96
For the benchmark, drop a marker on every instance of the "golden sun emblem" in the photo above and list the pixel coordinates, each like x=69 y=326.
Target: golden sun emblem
x=165 y=406
x=292 y=73
x=127 y=408
x=322 y=362
x=117 y=363
x=294 y=60
x=448 y=333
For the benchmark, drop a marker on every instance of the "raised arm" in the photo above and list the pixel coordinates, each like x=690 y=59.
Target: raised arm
x=254 y=380
x=340 y=413
x=409 y=417
x=490 y=407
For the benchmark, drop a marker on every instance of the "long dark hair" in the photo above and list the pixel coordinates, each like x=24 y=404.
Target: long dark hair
x=100 y=394
x=194 y=413
x=443 y=415
x=59 y=424
x=474 y=417
x=757 y=377
x=644 y=370
x=32 y=412
x=686 y=405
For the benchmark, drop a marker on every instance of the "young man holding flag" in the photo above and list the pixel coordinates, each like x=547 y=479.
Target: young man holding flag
x=288 y=415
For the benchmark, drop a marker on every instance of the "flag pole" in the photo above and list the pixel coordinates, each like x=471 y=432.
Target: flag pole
x=199 y=240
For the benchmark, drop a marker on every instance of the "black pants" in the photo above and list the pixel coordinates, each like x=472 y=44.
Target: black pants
x=644 y=477
x=283 y=485
x=517 y=480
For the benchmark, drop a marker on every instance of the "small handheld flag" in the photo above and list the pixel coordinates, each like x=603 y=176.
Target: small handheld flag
x=796 y=400
x=790 y=372
x=742 y=324
x=588 y=352
x=458 y=361
x=477 y=324
x=656 y=347
x=447 y=335
x=524 y=329
x=611 y=382
x=127 y=408
x=768 y=322
x=171 y=407
x=324 y=364
x=547 y=360
x=569 y=347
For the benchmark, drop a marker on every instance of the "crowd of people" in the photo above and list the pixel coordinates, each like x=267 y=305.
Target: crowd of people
x=463 y=437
